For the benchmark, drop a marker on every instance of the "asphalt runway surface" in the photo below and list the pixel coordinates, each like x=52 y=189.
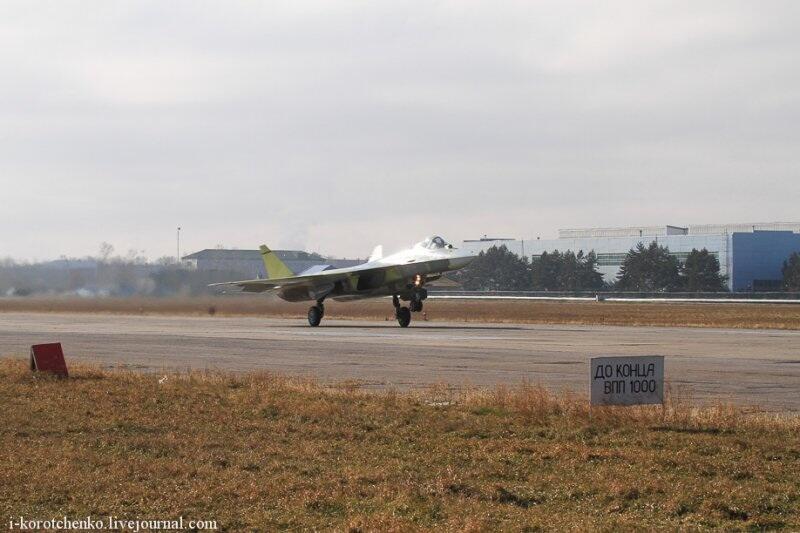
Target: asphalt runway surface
x=751 y=367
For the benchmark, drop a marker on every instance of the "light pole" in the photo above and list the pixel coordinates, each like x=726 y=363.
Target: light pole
x=178 y=259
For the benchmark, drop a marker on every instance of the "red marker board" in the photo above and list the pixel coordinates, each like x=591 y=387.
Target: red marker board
x=48 y=358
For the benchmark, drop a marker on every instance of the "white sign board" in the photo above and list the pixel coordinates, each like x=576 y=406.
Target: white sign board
x=627 y=380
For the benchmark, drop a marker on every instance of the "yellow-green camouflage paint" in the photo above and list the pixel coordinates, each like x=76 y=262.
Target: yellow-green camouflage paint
x=392 y=275
x=274 y=266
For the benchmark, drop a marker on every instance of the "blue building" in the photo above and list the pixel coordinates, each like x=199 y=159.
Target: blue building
x=750 y=255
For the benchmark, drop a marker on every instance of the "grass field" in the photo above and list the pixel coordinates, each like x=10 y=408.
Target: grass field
x=260 y=451
x=761 y=316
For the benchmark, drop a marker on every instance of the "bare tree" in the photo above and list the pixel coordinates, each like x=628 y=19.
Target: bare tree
x=106 y=249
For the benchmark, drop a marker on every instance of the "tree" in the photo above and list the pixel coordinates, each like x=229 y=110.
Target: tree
x=545 y=271
x=590 y=277
x=701 y=272
x=649 y=269
x=791 y=273
x=568 y=276
x=496 y=269
x=566 y=271
x=106 y=249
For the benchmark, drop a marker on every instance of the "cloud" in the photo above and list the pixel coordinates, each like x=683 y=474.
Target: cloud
x=342 y=125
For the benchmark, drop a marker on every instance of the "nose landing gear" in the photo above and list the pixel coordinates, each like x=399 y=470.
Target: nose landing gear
x=416 y=300
x=402 y=314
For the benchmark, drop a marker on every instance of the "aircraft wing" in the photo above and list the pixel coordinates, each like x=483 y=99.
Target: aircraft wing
x=321 y=279
x=265 y=285
x=362 y=277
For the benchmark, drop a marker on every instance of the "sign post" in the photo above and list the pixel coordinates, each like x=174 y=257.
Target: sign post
x=636 y=380
x=49 y=358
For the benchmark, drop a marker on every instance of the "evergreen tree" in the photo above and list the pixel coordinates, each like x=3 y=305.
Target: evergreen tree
x=568 y=279
x=545 y=271
x=496 y=269
x=566 y=271
x=701 y=272
x=591 y=279
x=791 y=273
x=649 y=269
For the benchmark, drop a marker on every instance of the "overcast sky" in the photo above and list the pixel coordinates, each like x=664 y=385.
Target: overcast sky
x=335 y=126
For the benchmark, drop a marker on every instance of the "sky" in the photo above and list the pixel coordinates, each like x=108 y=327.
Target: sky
x=336 y=126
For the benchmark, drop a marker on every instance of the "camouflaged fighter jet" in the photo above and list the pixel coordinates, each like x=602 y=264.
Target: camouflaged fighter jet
x=402 y=276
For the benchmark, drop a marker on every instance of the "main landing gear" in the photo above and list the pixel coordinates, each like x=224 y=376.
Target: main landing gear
x=315 y=314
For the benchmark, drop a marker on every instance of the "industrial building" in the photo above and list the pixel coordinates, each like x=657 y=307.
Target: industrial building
x=750 y=255
x=250 y=264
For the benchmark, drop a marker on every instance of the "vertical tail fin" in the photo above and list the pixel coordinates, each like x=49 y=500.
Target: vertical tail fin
x=376 y=254
x=273 y=265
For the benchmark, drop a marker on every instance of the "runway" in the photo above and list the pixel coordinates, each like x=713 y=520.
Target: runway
x=759 y=367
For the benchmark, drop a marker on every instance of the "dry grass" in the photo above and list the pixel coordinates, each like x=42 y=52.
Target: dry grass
x=762 y=316
x=259 y=451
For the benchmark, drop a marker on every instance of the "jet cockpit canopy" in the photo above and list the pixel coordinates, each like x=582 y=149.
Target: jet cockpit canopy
x=434 y=243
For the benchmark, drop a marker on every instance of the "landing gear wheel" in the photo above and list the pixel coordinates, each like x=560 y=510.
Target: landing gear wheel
x=416 y=299
x=315 y=314
x=403 y=316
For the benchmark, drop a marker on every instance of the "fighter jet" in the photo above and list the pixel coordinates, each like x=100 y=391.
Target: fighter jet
x=402 y=276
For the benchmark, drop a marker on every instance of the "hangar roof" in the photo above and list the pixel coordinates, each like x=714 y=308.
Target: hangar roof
x=696 y=229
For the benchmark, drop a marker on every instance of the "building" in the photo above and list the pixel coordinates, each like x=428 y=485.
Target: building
x=750 y=255
x=250 y=264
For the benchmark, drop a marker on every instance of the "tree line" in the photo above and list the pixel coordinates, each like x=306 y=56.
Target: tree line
x=648 y=268
x=791 y=273
x=107 y=274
